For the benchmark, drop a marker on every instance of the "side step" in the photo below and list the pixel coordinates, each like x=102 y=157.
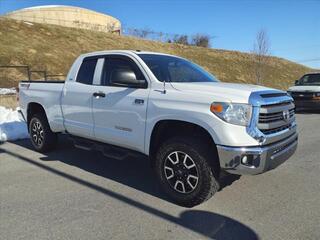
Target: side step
x=107 y=150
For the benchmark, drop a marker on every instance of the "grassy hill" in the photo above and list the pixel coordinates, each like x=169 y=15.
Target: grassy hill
x=54 y=48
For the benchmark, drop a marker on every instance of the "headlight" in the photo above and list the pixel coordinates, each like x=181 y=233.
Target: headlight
x=317 y=94
x=234 y=113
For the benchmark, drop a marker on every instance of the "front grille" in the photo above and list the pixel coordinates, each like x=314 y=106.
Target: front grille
x=276 y=117
x=302 y=95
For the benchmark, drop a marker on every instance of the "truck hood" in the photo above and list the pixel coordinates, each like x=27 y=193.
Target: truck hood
x=232 y=92
x=305 y=88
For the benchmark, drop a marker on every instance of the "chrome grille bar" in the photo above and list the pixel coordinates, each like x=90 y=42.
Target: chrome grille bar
x=276 y=117
x=266 y=118
x=276 y=108
x=273 y=117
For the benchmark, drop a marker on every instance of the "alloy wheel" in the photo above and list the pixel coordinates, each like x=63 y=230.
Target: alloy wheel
x=181 y=172
x=37 y=133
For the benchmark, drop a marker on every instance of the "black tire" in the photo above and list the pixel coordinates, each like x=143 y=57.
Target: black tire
x=206 y=166
x=48 y=138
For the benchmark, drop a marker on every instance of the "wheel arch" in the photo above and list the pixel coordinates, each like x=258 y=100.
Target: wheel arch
x=165 y=129
x=35 y=108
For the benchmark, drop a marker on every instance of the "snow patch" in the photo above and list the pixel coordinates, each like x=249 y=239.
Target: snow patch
x=12 y=127
x=7 y=91
x=28 y=23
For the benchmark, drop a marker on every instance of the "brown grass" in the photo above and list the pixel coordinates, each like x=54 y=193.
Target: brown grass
x=54 y=48
x=8 y=101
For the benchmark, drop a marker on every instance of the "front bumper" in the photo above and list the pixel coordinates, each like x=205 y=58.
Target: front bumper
x=262 y=158
x=307 y=104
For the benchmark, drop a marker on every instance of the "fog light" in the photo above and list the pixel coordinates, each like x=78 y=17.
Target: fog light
x=244 y=160
x=248 y=160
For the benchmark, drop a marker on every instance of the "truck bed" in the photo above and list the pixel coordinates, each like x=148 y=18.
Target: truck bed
x=48 y=95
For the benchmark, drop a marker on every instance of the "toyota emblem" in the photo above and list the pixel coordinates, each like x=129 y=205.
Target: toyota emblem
x=286 y=115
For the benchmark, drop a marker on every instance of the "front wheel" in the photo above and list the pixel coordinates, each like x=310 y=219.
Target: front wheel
x=185 y=171
x=42 y=138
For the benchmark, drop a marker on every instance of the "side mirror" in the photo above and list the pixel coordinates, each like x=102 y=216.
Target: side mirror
x=126 y=78
x=296 y=82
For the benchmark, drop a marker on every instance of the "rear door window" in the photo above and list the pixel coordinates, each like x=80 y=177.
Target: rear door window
x=86 y=71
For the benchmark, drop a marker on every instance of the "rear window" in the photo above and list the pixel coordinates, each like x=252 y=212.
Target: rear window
x=86 y=71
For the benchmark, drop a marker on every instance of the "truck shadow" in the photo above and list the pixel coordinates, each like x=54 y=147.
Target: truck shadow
x=207 y=224
x=133 y=172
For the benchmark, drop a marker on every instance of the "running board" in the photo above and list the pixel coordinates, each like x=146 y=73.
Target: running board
x=107 y=150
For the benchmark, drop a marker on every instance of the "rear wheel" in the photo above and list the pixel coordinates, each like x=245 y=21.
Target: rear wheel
x=42 y=138
x=185 y=171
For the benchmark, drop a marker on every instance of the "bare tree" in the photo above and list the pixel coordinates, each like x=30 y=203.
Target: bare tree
x=261 y=52
x=181 y=39
x=201 y=40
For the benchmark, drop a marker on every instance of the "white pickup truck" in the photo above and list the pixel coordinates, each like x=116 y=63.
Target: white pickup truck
x=190 y=125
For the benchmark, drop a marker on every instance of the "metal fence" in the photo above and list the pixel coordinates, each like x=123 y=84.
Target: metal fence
x=26 y=70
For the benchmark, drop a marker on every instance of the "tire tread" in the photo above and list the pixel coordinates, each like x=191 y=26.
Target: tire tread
x=50 y=138
x=197 y=147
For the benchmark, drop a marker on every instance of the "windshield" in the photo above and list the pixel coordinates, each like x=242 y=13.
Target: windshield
x=310 y=79
x=174 y=69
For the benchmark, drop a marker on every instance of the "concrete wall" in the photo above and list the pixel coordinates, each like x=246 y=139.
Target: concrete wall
x=68 y=17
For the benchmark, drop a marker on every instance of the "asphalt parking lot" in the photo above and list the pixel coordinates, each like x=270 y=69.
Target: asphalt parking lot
x=74 y=194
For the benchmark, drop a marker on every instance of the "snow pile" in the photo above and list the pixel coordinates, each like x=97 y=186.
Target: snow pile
x=6 y=91
x=12 y=127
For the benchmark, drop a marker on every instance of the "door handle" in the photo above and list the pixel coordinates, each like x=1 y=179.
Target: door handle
x=99 y=94
x=139 y=101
